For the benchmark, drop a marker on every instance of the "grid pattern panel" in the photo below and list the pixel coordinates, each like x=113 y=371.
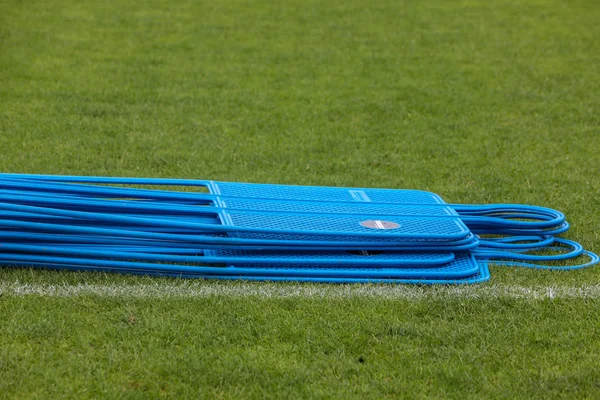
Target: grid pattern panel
x=341 y=208
x=356 y=239
x=462 y=266
x=289 y=192
x=332 y=255
x=429 y=227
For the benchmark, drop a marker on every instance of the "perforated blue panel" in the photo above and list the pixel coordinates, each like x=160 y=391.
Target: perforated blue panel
x=332 y=207
x=322 y=193
x=481 y=274
x=409 y=227
x=340 y=257
x=368 y=243
x=462 y=266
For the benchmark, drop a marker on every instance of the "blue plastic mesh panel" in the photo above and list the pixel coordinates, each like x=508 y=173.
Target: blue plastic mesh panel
x=430 y=258
x=409 y=227
x=482 y=274
x=320 y=193
x=334 y=239
x=462 y=266
x=325 y=207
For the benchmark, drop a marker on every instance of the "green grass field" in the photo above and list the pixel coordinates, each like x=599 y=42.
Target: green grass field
x=477 y=101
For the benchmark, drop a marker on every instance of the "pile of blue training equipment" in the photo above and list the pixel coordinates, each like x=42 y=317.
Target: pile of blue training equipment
x=228 y=230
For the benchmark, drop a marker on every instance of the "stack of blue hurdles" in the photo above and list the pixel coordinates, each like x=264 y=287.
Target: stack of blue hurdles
x=228 y=230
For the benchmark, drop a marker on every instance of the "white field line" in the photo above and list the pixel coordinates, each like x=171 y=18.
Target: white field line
x=203 y=289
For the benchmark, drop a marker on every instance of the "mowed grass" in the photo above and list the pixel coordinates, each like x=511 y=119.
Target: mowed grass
x=477 y=101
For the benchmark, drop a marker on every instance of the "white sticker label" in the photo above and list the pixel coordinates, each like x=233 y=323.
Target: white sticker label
x=379 y=224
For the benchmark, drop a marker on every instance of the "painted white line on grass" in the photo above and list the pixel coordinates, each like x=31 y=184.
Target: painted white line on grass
x=186 y=289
